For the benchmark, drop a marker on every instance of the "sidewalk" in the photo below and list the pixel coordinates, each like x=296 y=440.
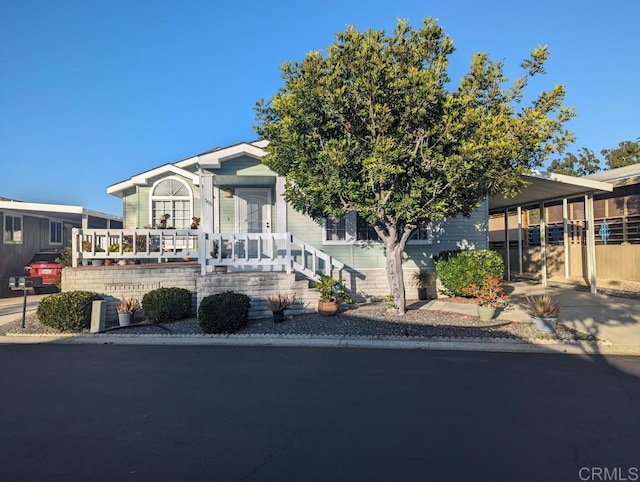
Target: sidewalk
x=613 y=320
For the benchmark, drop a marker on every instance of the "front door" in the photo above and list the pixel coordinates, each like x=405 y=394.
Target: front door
x=254 y=215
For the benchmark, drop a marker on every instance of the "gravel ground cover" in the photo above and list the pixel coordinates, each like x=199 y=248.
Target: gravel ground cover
x=371 y=321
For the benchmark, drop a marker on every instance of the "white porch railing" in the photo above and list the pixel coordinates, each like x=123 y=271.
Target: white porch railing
x=238 y=251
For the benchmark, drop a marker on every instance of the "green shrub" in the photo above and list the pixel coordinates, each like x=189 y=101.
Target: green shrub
x=68 y=311
x=223 y=312
x=458 y=270
x=163 y=305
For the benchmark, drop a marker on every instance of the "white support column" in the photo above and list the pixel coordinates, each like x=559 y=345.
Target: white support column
x=74 y=247
x=281 y=206
x=506 y=243
x=591 y=242
x=85 y=221
x=565 y=237
x=520 y=240
x=206 y=201
x=543 y=244
x=216 y=209
x=281 y=221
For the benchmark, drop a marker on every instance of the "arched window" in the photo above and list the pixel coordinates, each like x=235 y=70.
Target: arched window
x=173 y=197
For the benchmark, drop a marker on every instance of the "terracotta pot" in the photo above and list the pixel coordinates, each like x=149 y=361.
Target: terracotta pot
x=107 y=262
x=327 y=308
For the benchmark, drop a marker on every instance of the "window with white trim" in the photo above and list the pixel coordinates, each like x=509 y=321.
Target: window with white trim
x=422 y=235
x=353 y=228
x=12 y=229
x=55 y=232
x=173 y=197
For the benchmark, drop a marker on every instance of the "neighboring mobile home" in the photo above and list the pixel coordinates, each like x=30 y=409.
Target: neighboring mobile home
x=32 y=227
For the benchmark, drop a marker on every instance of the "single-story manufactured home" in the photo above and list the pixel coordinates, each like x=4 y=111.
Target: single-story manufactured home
x=224 y=211
x=231 y=191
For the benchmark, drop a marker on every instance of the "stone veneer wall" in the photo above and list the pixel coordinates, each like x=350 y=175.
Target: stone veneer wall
x=373 y=282
x=113 y=282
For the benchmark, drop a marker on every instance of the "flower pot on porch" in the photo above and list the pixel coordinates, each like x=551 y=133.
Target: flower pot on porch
x=124 y=319
x=546 y=324
x=327 y=308
x=486 y=313
x=97 y=262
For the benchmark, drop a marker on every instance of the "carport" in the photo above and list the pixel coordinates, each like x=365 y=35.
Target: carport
x=545 y=188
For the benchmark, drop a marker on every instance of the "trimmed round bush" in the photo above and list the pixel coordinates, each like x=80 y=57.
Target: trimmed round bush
x=68 y=311
x=163 y=305
x=457 y=270
x=223 y=312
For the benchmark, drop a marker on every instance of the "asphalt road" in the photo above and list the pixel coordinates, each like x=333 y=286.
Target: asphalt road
x=211 y=413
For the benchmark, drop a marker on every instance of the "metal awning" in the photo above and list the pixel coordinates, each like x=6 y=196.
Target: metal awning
x=548 y=186
x=545 y=187
x=64 y=212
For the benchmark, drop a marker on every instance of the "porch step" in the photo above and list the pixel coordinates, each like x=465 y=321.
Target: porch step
x=259 y=285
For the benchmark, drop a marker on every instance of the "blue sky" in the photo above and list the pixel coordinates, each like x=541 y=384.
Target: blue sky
x=93 y=92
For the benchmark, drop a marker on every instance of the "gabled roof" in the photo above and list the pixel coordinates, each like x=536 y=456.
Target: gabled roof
x=209 y=159
x=214 y=157
x=144 y=177
x=619 y=176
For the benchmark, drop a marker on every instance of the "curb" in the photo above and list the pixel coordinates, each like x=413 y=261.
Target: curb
x=475 y=344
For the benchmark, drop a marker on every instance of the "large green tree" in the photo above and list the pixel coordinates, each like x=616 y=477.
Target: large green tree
x=627 y=153
x=374 y=126
x=586 y=162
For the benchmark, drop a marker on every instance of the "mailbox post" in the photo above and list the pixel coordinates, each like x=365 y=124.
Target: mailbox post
x=24 y=284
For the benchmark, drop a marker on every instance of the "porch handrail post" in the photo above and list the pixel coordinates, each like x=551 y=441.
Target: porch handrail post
x=288 y=259
x=74 y=247
x=202 y=252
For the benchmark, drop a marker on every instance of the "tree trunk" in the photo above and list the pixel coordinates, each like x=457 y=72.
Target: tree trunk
x=395 y=276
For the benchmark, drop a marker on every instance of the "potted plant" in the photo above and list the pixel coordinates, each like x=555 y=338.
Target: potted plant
x=126 y=308
x=331 y=293
x=219 y=268
x=422 y=280
x=96 y=261
x=488 y=295
x=545 y=310
x=162 y=224
x=277 y=303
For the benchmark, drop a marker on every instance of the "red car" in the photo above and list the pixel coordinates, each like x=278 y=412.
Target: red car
x=44 y=265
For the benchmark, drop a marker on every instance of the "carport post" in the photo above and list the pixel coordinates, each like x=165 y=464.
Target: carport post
x=565 y=237
x=591 y=243
x=506 y=242
x=520 y=240
x=543 y=244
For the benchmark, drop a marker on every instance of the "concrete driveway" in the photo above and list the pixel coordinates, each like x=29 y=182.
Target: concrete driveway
x=610 y=318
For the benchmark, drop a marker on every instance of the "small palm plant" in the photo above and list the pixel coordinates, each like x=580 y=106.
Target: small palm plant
x=279 y=302
x=542 y=306
x=128 y=305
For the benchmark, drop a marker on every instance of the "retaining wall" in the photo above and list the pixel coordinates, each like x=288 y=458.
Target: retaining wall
x=113 y=282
